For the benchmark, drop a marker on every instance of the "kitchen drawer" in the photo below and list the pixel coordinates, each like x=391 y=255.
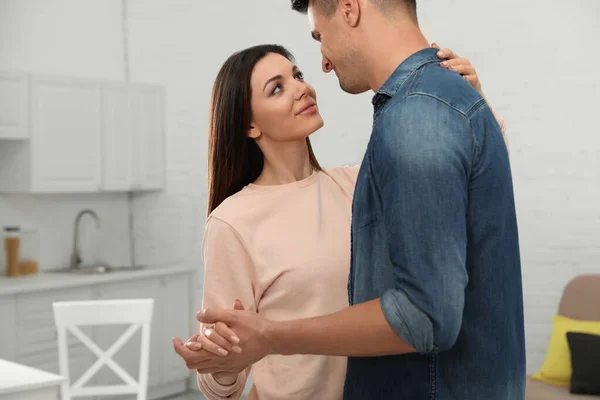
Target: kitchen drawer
x=36 y=331
x=146 y=288
x=80 y=359
x=43 y=338
x=8 y=331
x=33 y=306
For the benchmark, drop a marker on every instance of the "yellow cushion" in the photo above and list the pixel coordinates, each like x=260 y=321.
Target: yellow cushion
x=556 y=369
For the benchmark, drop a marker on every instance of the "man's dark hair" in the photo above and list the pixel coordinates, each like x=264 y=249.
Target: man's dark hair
x=328 y=7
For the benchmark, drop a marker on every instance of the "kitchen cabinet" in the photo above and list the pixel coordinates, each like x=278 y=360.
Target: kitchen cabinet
x=65 y=153
x=37 y=344
x=133 y=137
x=29 y=334
x=8 y=334
x=63 y=150
x=174 y=310
x=116 y=138
x=14 y=110
x=85 y=135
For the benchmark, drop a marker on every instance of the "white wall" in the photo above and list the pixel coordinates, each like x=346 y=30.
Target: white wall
x=536 y=60
x=75 y=38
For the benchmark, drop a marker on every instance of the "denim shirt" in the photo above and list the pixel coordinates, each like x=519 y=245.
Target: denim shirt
x=434 y=236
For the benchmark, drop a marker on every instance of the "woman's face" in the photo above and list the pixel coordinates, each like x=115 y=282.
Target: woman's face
x=284 y=107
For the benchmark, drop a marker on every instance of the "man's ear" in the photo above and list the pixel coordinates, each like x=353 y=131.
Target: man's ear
x=350 y=11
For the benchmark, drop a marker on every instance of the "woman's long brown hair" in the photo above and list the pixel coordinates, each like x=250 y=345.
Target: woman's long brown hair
x=234 y=159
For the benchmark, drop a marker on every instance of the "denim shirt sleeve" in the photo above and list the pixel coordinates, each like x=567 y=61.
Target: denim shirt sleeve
x=421 y=163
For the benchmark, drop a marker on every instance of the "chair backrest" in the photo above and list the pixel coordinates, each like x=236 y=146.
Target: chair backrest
x=581 y=298
x=69 y=315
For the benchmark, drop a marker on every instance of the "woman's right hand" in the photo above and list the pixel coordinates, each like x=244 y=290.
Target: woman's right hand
x=213 y=341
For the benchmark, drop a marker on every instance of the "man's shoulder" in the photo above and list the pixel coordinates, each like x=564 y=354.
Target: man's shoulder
x=431 y=113
x=446 y=90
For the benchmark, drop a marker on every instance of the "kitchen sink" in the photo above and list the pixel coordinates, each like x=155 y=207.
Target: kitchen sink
x=95 y=269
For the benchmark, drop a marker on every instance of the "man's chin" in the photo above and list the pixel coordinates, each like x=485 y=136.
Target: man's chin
x=352 y=89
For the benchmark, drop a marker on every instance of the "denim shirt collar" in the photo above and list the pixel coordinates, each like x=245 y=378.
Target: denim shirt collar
x=402 y=72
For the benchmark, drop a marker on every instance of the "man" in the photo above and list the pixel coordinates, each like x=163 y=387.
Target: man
x=435 y=281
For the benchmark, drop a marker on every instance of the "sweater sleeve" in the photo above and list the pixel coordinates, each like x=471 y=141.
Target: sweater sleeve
x=228 y=275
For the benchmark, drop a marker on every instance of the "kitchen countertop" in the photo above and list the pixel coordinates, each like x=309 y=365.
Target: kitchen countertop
x=56 y=280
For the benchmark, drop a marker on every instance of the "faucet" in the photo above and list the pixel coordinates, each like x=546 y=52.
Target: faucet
x=75 y=255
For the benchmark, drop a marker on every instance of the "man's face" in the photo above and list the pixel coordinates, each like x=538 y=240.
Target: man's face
x=340 y=54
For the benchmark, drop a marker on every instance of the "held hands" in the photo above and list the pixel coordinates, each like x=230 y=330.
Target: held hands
x=218 y=350
x=459 y=64
x=202 y=348
x=218 y=338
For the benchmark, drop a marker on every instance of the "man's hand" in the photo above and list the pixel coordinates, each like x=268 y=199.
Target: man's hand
x=200 y=350
x=252 y=331
x=218 y=338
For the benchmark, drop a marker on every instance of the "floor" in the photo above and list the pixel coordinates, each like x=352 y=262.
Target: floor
x=189 y=396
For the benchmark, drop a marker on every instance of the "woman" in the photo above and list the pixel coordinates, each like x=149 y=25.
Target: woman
x=278 y=230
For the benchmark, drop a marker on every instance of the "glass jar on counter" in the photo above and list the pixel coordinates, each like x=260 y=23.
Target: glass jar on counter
x=12 y=247
x=30 y=251
x=21 y=250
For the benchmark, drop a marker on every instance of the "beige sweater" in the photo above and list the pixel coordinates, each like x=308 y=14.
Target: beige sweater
x=272 y=247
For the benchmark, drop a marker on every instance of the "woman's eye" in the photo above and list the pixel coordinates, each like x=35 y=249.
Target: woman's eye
x=299 y=75
x=276 y=89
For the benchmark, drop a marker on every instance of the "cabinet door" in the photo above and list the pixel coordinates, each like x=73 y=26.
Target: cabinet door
x=14 y=107
x=116 y=138
x=129 y=355
x=177 y=316
x=8 y=333
x=37 y=344
x=66 y=135
x=148 y=130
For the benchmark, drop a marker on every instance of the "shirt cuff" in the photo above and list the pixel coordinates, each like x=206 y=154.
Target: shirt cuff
x=408 y=322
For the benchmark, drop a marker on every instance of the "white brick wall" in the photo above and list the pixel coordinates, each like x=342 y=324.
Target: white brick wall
x=73 y=38
x=537 y=62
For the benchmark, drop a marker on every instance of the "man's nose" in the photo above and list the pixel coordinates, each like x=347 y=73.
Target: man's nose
x=326 y=64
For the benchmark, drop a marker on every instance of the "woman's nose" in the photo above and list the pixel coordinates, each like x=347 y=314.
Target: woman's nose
x=302 y=89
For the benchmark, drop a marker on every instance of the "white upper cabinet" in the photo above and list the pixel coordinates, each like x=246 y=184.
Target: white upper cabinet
x=84 y=136
x=14 y=112
x=116 y=138
x=65 y=141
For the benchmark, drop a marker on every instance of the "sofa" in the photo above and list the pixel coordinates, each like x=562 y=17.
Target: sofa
x=580 y=300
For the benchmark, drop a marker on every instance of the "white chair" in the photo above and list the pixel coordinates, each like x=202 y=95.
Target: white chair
x=69 y=315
